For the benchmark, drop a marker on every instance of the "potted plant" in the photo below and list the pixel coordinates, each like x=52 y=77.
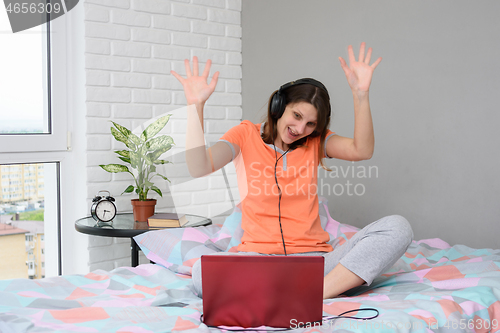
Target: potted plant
x=143 y=155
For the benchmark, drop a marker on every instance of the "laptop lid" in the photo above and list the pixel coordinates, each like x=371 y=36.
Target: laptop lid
x=253 y=291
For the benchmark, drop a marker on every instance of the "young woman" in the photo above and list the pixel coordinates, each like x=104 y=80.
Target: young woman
x=277 y=164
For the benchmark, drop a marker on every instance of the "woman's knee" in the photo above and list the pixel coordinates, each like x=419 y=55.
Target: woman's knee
x=196 y=275
x=399 y=227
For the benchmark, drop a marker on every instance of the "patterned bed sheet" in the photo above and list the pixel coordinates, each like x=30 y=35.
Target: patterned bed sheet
x=434 y=287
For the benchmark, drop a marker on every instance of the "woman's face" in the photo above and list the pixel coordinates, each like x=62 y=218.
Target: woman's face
x=298 y=121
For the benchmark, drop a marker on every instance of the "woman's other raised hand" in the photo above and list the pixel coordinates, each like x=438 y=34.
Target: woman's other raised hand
x=196 y=87
x=359 y=73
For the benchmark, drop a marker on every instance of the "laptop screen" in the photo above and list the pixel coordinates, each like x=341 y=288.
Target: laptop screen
x=253 y=291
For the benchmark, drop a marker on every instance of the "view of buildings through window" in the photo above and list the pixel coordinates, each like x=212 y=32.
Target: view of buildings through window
x=22 y=221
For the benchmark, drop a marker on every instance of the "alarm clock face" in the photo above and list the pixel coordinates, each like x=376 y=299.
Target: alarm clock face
x=105 y=211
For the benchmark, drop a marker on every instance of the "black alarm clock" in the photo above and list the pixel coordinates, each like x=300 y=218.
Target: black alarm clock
x=103 y=208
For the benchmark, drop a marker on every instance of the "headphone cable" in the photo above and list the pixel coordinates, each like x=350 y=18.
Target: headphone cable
x=325 y=320
x=279 y=191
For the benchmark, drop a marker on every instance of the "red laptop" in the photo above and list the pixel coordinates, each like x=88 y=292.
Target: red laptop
x=253 y=291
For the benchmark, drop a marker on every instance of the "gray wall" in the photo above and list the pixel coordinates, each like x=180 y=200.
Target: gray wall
x=434 y=102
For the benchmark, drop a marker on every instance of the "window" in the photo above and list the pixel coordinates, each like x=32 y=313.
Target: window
x=24 y=220
x=24 y=115
x=33 y=142
x=28 y=119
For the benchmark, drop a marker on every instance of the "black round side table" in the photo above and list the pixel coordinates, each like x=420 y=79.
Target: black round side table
x=123 y=225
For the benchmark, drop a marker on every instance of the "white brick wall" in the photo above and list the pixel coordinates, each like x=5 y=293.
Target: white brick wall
x=131 y=46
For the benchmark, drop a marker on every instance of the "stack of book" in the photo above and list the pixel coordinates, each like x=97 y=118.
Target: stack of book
x=167 y=220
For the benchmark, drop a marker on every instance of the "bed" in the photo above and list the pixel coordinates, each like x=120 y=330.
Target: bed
x=434 y=287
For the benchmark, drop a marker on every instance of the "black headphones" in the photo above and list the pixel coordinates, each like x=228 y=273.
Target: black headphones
x=278 y=100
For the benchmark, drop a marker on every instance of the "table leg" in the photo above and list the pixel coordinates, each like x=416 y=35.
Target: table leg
x=135 y=253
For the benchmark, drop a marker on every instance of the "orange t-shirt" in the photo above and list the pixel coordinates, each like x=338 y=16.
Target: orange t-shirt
x=297 y=174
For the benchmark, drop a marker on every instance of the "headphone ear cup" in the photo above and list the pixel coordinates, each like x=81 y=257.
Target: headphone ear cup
x=277 y=105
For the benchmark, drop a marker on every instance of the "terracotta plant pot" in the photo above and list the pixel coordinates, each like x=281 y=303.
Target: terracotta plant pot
x=143 y=209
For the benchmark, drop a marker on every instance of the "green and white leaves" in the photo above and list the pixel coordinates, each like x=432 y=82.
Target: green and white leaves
x=159 y=142
x=143 y=155
x=115 y=168
x=130 y=136
x=122 y=138
x=129 y=189
x=157 y=190
x=154 y=128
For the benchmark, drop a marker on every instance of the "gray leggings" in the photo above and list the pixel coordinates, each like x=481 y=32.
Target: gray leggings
x=370 y=252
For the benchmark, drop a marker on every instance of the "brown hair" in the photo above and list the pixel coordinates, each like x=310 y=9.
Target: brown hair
x=303 y=93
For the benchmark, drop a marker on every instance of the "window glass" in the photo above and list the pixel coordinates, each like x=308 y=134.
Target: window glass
x=26 y=217
x=23 y=83
x=33 y=89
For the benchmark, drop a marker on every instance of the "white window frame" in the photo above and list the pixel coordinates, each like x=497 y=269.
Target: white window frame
x=57 y=140
x=48 y=148
x=52 y=231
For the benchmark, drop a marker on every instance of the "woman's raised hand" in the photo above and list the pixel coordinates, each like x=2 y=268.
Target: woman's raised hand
x=359 y=73
x=196 y=87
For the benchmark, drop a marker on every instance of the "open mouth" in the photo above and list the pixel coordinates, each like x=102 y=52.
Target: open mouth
x=292 y=133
